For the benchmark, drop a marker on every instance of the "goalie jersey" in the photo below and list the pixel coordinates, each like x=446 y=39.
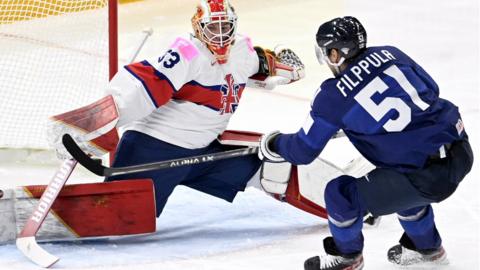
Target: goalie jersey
x=389 y=108
x=183 y=97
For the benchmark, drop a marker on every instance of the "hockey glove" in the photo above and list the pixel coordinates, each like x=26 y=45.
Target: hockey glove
x=278 y=67
x=274 y=177
x=288 y=64
x=265 y=151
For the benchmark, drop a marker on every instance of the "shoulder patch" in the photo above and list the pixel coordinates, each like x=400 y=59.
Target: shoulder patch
x=186 y=48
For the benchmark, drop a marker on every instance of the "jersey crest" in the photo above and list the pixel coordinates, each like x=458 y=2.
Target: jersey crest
x=230 y=95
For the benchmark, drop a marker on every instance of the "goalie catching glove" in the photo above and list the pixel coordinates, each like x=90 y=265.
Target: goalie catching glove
x=92 y=127
x=278 y=67
x=288 y=65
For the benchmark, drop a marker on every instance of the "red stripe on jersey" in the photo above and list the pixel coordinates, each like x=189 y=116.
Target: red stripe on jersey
x=212 y=96
x=158 y=87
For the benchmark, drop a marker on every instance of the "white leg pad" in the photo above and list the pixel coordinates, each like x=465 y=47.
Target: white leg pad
x=8 y=228
x=358 y=167
x=313 y=179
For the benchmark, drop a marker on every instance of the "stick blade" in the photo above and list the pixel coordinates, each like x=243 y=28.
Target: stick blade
x=29 y=247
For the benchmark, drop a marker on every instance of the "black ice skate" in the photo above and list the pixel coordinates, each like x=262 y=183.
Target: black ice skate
x=333 y=260
x=406 y=254
x=401 y=255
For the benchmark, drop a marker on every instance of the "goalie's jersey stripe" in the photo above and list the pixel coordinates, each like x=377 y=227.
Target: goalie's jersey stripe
x=161 y=90
x=157 y=85
x=208 y=96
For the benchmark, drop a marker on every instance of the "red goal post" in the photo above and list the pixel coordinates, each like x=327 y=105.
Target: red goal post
x=55 y=55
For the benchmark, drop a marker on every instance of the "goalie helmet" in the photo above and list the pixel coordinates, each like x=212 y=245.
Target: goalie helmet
x=215 y=24
x=346 y=34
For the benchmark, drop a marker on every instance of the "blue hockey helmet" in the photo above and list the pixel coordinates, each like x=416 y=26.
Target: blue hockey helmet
x=346 y=34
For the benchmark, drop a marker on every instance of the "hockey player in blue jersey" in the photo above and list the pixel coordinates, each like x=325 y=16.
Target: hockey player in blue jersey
x=390 y=110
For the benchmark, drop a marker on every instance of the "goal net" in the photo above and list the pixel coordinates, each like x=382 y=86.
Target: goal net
x=55 y=55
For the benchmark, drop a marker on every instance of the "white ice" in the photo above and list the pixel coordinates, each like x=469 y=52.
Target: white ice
x=256 y=232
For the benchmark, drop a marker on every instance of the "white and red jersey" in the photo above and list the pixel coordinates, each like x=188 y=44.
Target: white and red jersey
x=183 y=97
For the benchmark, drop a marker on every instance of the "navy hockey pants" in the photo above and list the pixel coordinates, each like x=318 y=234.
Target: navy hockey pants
x=386 y=191
x=222 y=179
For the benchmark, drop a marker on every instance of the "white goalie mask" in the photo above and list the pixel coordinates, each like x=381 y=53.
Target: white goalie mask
x=215 y=23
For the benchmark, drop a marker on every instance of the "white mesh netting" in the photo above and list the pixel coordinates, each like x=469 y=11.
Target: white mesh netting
x=53 y=58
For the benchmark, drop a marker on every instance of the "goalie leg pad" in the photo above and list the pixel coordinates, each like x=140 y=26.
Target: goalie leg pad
x=302 y=187
x=283 y=182
x=82 y=211
x=294 y=197
x=239 y=138
x=8 y=231
x=306 y=186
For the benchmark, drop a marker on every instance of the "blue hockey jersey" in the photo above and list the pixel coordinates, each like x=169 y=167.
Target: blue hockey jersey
x=386 y=104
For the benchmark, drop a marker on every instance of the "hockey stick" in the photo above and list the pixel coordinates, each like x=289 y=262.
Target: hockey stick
x=146 y=33
x=26 y=241
x=101 y=170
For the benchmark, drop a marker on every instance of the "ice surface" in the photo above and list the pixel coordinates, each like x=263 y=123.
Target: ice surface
x=256 y=232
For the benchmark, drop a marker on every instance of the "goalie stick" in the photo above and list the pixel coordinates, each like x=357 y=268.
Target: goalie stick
x=146 y=33
x=26 y=241
x=101 y=170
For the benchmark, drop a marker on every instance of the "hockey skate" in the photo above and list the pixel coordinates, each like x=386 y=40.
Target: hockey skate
x=333 y=260
x=402 y=256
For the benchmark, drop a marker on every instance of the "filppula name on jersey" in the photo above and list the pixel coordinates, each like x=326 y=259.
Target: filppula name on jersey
x=361 y=68
x=190 y=161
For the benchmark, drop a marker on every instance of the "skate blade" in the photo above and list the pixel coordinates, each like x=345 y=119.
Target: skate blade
x=426 y=265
